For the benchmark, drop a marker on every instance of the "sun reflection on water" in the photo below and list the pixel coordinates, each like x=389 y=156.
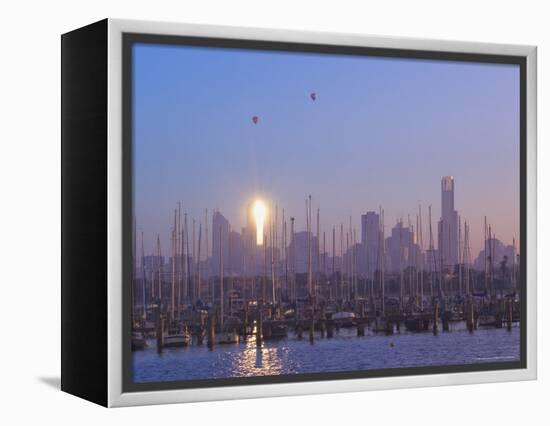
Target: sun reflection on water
x=257 y=361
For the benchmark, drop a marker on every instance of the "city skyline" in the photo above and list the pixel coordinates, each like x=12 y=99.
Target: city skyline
x=409 y=243
x=197 y=144
x=409 y=224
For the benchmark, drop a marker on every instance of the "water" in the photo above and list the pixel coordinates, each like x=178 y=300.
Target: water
x=344 y=352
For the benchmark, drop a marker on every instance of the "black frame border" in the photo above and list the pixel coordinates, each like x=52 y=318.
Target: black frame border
x=129 y=39
x=84 y=185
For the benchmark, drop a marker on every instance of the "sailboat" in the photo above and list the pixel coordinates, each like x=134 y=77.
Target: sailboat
x=227 y=337
x=344 y=319
x=177 y=339
x=487 y=320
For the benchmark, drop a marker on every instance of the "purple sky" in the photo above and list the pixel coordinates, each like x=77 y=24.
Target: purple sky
x=381 y=132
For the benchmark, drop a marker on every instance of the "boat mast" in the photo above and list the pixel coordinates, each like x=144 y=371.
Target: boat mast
x=324 y=256
x=183 y=269
x=272 y=248
x=401 y=264
x=285 y=257
x=368 y=280
x=292 y=261
x=466 y=258
x=432 y=263
x=485 y=254
x=134 y=271
x=513 y=274
x=409 y=261
x=264 y=289
x=229 y=260
x=221 y=282
x=160 y=265
x=448 y=259
x=348 y=268
x=198 y=284
x=173 y=292
x=143 y=281
x=440 y=252
x=412 y=263
x=355 y=286
x=317 y=268
x=333 y=276
x=491 y=259
x=382 y=249
x=187 y=257
x=341 y=276
x=206 y=256
x=309 y=270
x=459 y=256
x=350 y=253
x=421 y=243
x=275 y=250
x=410 y=241
x=152 y=298
x=194 y=260
x=178 y=259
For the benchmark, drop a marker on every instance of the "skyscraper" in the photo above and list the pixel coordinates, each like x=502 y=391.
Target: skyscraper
x=399 y=247
x=299 y=248
x=220 y=228
x=235 y=255
x=370 y=239
x=448 y=225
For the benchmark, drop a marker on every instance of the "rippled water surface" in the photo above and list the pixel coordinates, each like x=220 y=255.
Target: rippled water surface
x=344 y=352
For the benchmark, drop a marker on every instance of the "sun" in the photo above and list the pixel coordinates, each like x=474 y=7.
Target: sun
x=260 y=211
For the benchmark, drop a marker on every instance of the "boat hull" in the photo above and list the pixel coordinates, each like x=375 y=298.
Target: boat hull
x=176 y=341
x=227 y=338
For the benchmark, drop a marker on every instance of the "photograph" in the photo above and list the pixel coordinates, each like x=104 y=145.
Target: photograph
x=305 y=214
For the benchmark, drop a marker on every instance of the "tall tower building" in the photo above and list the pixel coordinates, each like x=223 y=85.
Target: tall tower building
x=448 y=225
x=370 y=239
x=220 y=228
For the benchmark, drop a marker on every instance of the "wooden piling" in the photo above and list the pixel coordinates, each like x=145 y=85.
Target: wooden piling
x=498 y=316
x=200 y=335
x=330 y=329
x=299 y=331
x=245 y=322
x=312 y=328
x=445 y=320
x=160 y=333
x=509 y=315
x=259 y=327
x=278 y=312
x=211 y=330
x=322 y=322
x=470 y=316
x=435 y=318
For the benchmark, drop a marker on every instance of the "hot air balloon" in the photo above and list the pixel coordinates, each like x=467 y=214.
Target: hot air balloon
x=255 y=119
x=313 y=96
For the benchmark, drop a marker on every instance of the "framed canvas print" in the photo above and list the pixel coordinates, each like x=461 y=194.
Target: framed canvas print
x=253 y=212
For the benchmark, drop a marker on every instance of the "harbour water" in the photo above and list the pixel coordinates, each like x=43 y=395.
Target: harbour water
x=344 y=352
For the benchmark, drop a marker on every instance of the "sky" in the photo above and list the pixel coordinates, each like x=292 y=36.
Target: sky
x=382 y=131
